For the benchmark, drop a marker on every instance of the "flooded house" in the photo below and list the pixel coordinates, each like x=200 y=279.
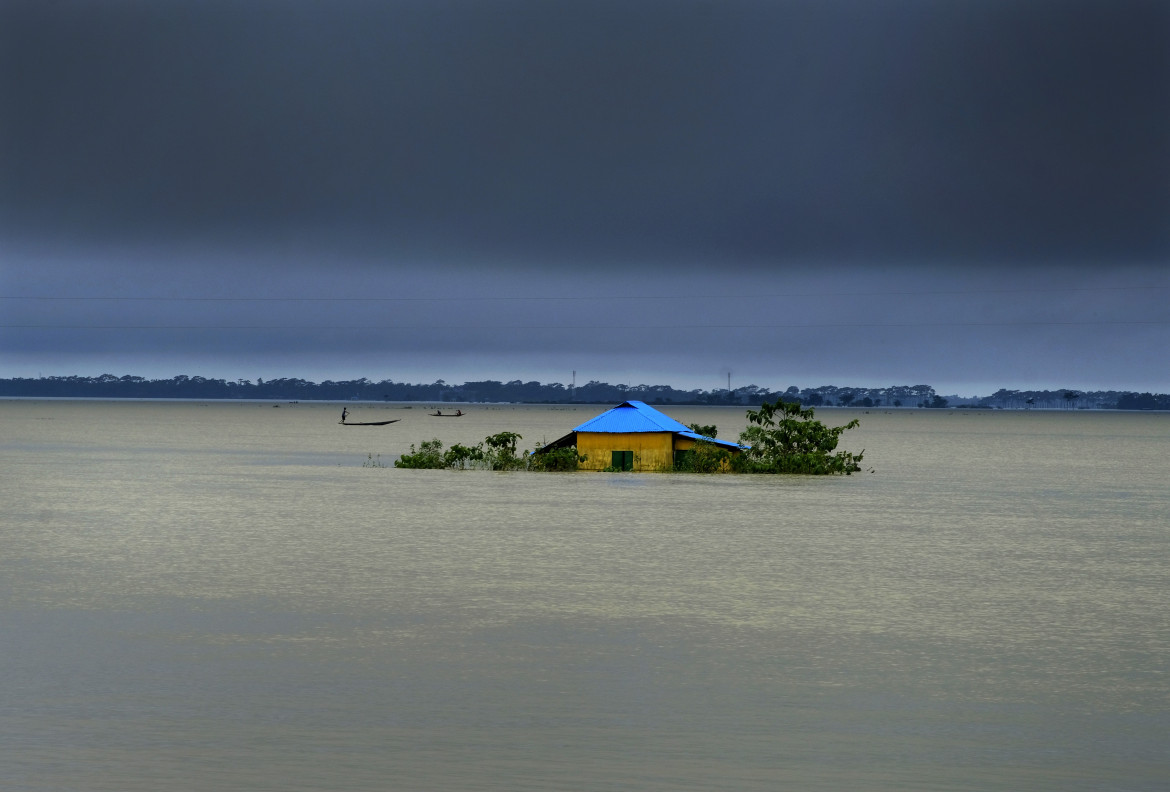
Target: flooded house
x=633 y=436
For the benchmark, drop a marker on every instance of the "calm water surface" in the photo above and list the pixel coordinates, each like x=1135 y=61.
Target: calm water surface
x=225 y=597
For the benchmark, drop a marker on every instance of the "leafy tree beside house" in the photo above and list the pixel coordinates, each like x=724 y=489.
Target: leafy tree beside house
x=783 y=438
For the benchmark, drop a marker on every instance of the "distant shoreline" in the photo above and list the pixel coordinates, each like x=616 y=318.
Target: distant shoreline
x=472 y=405
x=187 y=388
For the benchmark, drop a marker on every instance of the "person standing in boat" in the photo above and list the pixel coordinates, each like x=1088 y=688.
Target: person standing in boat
x=344 y=413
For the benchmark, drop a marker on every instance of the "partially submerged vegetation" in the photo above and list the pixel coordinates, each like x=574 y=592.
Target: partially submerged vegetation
x=782 y=437
x=497 y=452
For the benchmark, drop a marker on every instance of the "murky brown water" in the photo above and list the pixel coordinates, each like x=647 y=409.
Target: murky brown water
x=221 y=597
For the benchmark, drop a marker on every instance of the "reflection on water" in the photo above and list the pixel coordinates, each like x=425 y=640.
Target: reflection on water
x=222 y=597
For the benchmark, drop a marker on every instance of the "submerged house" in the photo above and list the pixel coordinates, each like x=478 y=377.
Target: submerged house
x=633 y=436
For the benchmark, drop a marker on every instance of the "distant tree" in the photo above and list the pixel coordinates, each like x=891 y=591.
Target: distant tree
x=1143 y=401
x=923 y=393
x=704 y=430
x=1069 y=398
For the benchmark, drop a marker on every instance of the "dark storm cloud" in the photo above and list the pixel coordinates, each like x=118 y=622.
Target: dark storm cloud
x=870 y=130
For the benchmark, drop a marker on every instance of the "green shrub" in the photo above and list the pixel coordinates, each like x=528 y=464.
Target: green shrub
x=706 y=430
x=557 y=460
x=501 y=454
x=704 y=457
x=428 y=457
x=461 y=457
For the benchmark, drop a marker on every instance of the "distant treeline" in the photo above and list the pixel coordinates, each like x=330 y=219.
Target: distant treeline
x=108 y=386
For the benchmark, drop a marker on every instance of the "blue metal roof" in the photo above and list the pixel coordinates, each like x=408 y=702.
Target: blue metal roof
x=632 y=416
x=636 y=416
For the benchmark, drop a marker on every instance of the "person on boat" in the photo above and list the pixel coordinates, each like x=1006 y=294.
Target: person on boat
x=344 y=413
x=459 y=412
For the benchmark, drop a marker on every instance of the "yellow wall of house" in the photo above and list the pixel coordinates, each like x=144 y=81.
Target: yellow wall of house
x=652 y=450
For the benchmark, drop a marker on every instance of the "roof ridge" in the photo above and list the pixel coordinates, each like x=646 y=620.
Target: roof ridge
x=613 y=419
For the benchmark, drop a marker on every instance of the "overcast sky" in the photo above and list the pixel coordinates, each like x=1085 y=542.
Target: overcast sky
x=970 y=195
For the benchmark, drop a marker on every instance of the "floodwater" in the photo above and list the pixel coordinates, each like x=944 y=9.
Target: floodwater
x=236 y=596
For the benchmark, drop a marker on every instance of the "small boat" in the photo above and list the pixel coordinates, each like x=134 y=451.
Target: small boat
x=441 y=414
x=368 y=423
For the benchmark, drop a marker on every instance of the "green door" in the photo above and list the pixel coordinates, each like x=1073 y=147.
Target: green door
x=622 y=460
